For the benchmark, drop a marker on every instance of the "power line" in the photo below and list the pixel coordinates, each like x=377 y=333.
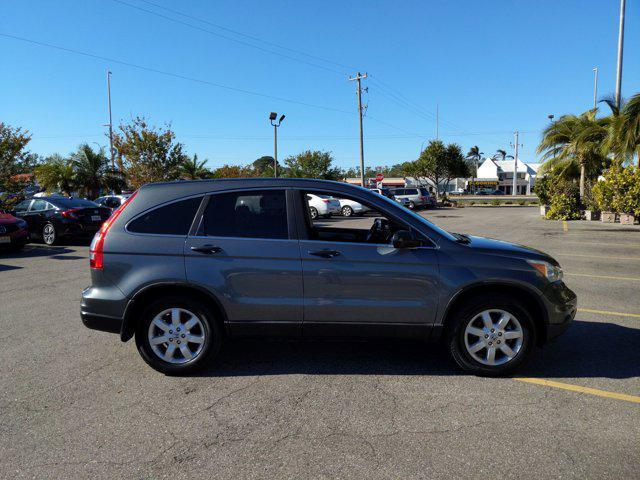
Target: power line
x=257 y=39
x=174 y=75
x=226 y=37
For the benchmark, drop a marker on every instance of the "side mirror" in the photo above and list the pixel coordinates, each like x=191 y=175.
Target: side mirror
x=404 y=239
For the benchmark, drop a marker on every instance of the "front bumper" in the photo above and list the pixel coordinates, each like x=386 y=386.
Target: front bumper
x=562 y=305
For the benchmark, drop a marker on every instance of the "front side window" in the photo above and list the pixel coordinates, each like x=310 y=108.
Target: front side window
x=38 y=205
x=171 y=219
x=247 y=214
x=22 y=206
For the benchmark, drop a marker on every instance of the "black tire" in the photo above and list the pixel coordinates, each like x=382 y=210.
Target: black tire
x=49 y=234
x=314 y=212
x=212 y=334
x=412 y=206
x=467 y=312
x=347 y=211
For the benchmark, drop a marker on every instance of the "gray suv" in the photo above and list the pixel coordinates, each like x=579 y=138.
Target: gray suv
x=182 y=266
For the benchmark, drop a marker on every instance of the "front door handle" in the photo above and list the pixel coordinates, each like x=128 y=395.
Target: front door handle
x=206 y=249
x=324 y=253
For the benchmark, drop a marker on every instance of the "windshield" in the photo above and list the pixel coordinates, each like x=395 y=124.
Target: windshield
x=428 y=223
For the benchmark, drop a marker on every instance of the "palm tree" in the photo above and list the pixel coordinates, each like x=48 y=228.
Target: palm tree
x=93 y=172
x=192 y=169
x=56 y=173
x=574 y=143
x=501 y=154
x=629 y=128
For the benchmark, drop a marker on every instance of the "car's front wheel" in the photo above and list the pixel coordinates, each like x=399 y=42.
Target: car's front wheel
x=412 y=206
x=178 y=335
x=314 y=212
x=492 y=336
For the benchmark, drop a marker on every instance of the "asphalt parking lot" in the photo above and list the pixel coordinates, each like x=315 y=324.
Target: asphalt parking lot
x=75 y=403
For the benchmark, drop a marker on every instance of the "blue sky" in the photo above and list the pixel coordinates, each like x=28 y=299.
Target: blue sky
x=491 y=66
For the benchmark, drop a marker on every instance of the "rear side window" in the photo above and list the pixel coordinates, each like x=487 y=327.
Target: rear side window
x=254 y=214
x=172 y=219
x=411 y=191
x=424 y=192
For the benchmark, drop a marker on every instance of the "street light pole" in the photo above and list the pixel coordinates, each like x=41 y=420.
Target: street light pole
x=110 y=120
x=620 y=48
x=595 y=88
x=515 y=168
x=272 y=118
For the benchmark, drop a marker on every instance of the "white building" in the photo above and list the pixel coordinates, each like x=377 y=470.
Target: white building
x=498 y=175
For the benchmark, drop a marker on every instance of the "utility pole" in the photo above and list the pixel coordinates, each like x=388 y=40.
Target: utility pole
x=595 y=88
x=358 y=78
x=620 y=48
x=514 y=189
x=110 y=120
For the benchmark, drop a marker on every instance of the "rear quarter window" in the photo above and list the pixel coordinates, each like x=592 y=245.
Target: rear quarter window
x=172 y=219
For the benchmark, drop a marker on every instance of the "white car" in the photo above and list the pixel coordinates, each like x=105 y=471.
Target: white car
x=322 y=206
x=349 y=208
x=111 y=201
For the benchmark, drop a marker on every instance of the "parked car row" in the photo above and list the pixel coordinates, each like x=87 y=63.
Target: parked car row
x=50 y=219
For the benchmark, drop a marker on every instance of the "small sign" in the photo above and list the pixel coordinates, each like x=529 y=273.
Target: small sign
x=379 y=177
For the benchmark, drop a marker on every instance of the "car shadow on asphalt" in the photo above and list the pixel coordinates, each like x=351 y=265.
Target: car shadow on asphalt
x=30 y=251
x=587 y=349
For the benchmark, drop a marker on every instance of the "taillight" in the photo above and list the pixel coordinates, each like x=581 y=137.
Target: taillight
x=96 y=251
x=325 y=200
x=71 y=213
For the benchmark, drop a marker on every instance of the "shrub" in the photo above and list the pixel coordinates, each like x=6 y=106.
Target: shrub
x=495 y=202
x=619 y=191
x=542 y=189
x=522 y=202
x=472 y=202
x=564 y=201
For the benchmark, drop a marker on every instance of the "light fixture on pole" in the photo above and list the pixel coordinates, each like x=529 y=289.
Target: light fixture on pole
x=272 y=119
x=551 y=117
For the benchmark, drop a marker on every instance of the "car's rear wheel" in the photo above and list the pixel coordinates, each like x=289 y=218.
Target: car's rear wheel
x=347 y=211
x=492 y=336
x=314 y=212
x=49 y=234
x=178 y=335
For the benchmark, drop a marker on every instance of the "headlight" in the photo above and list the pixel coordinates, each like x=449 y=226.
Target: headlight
x=550 y=272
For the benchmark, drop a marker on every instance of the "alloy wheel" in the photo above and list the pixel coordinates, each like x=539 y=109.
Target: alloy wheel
x=176 y=335
x=347 y=211
x=493 y=337
x=49 y=234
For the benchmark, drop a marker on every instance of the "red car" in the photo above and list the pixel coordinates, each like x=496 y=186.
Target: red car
x=13 y=232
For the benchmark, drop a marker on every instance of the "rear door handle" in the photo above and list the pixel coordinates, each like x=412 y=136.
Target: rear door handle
x=206 y=249
x=324 y=253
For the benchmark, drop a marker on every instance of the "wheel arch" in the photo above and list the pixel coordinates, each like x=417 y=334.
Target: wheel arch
x=149 y=293
x=528 y=297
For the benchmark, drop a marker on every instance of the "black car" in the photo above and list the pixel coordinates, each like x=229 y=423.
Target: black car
x=52 y=218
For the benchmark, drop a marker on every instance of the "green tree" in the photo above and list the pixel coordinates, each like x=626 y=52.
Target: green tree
x=56 y=173
x=233 y=171
x=192 y=169
x=148 y=153
x=93 y=172
x=628 y=129
x=501 y=154
x=475 y=155
x=263 y=166
x=456 y=165
x=14 y=158
x=431 y=164
x=574 y=143
x=312 y=164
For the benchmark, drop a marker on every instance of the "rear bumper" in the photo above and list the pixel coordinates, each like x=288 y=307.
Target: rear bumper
x=101 y=323
x=102 y=308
